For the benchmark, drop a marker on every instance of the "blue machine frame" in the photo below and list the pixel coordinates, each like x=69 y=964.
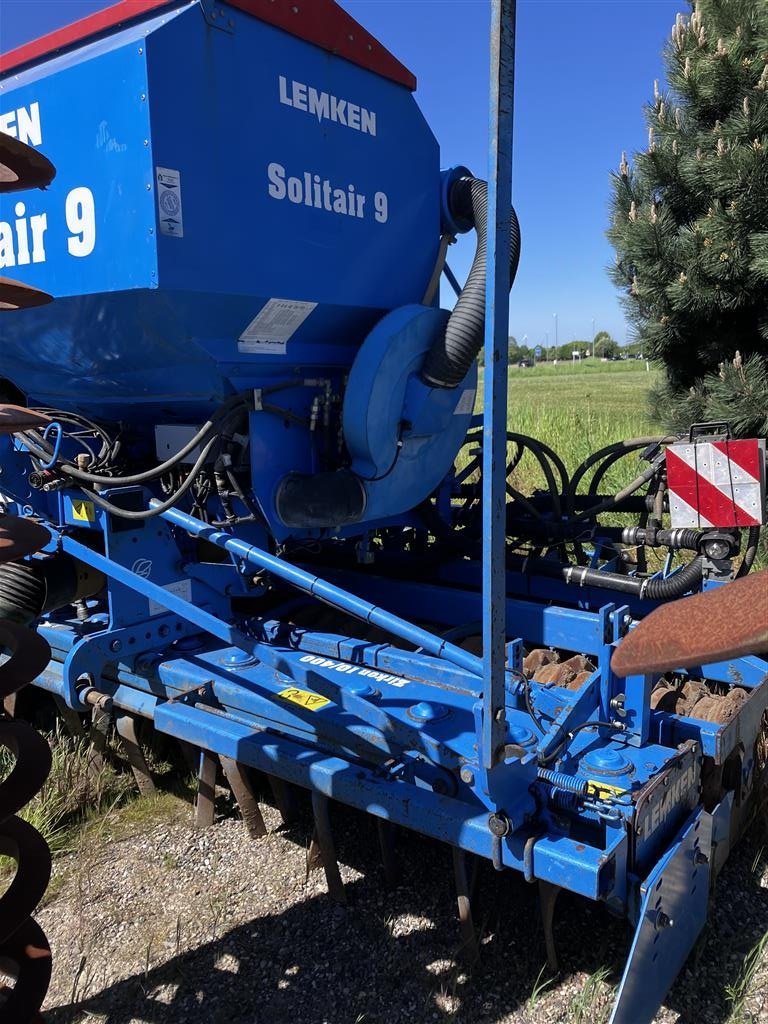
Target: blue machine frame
x=588 y=789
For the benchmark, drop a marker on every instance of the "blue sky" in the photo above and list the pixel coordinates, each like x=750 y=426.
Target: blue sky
x=584 y=70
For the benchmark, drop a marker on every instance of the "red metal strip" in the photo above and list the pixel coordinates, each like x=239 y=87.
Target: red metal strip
x=709 y=500
x=110 y=17
x=321 y=22
x=745 y=453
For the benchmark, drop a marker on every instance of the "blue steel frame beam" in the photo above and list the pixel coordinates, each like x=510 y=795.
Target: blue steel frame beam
x=326 y=592
x=407 y=737
x=496 y=366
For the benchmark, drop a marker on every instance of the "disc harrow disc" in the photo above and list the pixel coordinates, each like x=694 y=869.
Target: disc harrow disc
x=725 y=622
x=14 y=418
x=20 y=537
x=23 y=167
x=17 y=295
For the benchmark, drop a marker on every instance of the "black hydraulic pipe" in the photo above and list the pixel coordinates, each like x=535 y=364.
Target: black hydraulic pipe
x=677 y=539
x=451 y=356
x=654 y=589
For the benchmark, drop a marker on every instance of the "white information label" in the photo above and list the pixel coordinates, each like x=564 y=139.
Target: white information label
x=169 y=202
x=270 y=329
x=181 y=588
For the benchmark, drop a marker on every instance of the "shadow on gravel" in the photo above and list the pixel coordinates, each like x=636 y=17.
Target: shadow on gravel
x=390 y=957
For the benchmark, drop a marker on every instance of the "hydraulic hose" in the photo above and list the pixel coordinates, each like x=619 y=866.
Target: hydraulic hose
x=625 y=492
x=753 y=541
x=674 y=586
x=448 y=361
x=156 y=510
x=615 y=452
x=653 y=589
x=203 y=435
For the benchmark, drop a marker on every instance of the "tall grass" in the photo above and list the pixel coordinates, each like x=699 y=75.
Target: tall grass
x=577 y=410
x=73 y=791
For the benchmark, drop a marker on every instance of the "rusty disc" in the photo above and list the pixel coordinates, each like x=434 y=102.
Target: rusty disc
x=19 y=537
x=14 y=418
x=725 y=622
x=23 y=167
x=17 y=295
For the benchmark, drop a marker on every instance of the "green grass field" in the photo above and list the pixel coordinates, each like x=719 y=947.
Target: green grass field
x=578 y=409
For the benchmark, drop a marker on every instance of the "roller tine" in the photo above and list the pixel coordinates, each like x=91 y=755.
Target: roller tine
x=70 y=718
x=390 y=863
x=327 y=848
x=205 y=804
x=314 y=856
x=191 y=755
x=101 y=718
x=237 y=776
x=548 y=894
x=126 y=729
x=470 y=950
x=285 y=798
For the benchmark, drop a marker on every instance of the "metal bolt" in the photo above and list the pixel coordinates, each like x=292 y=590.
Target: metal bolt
x=116 y=646
x=663 y=920
x=467 y=775
x=499 y=825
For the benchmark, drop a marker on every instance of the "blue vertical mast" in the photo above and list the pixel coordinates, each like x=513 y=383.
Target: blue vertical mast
x=496 y=367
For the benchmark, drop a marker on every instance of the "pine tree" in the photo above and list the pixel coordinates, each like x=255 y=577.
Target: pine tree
x=690 y=221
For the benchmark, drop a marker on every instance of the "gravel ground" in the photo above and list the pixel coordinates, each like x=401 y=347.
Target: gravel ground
x=154 y=921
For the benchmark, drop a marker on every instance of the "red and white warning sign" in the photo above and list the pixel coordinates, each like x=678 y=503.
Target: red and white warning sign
x=717 y=483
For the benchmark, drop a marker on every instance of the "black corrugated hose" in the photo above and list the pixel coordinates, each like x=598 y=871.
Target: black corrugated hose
x=450 y=358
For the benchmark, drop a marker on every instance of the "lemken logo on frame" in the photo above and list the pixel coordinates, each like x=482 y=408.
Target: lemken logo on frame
x=326 y=107
x=23 y=124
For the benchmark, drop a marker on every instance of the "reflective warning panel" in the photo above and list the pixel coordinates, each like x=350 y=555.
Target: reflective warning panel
x=717 y=483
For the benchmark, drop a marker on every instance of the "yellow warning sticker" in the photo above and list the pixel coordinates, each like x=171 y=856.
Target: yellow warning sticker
x=310 y=701
x=85 y=511
x=602 y=789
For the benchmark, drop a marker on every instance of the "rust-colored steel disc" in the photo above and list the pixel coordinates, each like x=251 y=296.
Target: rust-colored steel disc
x=29 y=656
x=725 y=622
x=19 y=537
x=14 y=418
x=17 y=295
x=23 y=167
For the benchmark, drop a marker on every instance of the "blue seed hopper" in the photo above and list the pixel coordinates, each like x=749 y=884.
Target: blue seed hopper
x=278 y=531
